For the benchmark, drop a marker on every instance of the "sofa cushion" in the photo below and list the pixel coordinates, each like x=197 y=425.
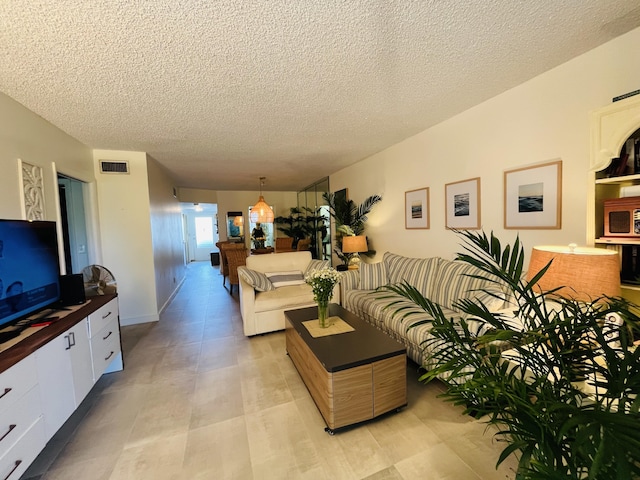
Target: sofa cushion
x=316 y=265
x=279 y=262
x=417 y=272
x=453 y=283
x=285 y=279
x=373 y=275
x=293 y=296
x=257 y=280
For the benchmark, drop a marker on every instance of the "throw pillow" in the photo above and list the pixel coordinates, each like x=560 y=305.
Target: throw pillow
x=316 y=265
x=257 y=280
x=373 y=275
x=285 y=279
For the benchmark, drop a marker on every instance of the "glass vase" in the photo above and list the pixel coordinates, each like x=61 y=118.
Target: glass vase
x=323 y=313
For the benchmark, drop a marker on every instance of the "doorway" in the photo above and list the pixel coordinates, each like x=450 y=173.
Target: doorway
x=200 y=231
x=74 y=224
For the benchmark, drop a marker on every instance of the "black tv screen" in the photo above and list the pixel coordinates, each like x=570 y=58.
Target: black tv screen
x=29 y=268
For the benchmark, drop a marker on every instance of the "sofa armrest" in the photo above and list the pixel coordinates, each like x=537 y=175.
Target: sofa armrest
x=350 y=280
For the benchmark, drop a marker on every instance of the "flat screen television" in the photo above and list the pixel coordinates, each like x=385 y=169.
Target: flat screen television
x=29 y=268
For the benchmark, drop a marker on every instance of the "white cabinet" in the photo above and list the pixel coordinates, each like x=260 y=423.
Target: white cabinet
x=41 y=390
x=55 y=380
x=81 y=365
x=104 y=332
x=65 y=375
x=21 y=423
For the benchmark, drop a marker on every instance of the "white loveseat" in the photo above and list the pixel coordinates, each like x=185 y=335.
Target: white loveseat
x=261 y=304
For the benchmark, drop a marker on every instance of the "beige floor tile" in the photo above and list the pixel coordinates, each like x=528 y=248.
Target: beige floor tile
x=212 y=404
x=97 y=468
x=438 y=462
x=364 y=454
x=387 y=474
x=160 y=459
x=166 y=411
x=219 y=451
x=217 y=353
x=263 y=385
x=280 y=446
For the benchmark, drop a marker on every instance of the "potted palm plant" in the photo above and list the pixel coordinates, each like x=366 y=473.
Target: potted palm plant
x=302 y=222
x=350 y=219
x=569 y=407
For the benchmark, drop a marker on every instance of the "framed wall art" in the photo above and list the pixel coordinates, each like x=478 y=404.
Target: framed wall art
x=462 y=200
x=416 y=208
x=533 y=197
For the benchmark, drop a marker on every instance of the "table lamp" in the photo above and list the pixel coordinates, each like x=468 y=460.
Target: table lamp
x=352 y=245
x=584 y=273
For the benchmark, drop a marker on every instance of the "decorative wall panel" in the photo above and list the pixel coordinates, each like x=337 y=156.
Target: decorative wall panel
x=33 y=186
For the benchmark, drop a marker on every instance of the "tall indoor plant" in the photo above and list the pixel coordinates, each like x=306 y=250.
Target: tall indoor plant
x=349 y=218
x=302 y=222
x=557 y=428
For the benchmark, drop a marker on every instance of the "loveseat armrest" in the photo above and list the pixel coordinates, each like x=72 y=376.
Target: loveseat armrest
x=247 y=299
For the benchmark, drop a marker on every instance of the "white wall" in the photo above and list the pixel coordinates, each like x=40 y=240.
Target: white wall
x=229 y=201
x=125 y=225
x=543 y=119
x=166 y=233
x=27 y=136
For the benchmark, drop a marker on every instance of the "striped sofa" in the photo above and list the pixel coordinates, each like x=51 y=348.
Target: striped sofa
x=442 y=281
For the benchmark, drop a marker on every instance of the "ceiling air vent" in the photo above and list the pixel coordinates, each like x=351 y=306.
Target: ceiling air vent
x=112 y=166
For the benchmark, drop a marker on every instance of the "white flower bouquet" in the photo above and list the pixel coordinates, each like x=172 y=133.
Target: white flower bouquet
x=322 y=283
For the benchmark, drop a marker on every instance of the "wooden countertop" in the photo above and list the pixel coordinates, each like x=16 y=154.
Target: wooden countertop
x=32 y=338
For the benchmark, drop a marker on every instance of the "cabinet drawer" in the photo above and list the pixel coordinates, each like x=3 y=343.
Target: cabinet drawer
x=16 y=461
x=101 y=317
x=16 y=421
x=16 y=381
x=105 y=346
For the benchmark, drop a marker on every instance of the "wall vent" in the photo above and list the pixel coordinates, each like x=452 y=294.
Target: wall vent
x=113 y=166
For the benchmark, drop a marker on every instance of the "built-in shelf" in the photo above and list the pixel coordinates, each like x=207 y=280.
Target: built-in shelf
x=614 y=130
x=624 y=180
x=617 y=241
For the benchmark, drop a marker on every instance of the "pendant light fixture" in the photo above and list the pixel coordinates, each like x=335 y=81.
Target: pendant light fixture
x=261 y=212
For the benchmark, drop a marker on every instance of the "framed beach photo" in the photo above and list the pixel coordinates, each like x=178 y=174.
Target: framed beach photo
x=416 y=208
x=462 y=200
x=533 y=197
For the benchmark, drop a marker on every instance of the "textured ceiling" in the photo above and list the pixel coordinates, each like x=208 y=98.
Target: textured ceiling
x=223 y=92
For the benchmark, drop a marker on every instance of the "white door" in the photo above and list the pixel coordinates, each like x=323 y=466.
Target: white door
x=202 y=237
x=55 y=380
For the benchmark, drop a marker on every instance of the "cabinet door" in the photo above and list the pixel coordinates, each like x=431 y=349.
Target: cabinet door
x=55 y=379
x=81 y=367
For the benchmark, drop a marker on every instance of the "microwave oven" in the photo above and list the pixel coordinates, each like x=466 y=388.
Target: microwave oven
x=622 y=217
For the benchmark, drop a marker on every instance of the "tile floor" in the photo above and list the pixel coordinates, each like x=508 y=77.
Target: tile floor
x=198 y=400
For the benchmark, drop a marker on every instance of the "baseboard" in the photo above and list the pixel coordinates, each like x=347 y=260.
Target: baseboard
x=137 y=320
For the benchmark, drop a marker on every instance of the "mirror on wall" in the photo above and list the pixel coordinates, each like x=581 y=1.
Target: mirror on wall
x=235 y=227
x=311 y=201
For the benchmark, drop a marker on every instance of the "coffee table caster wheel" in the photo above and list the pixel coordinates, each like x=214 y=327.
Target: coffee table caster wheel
x=329 y=431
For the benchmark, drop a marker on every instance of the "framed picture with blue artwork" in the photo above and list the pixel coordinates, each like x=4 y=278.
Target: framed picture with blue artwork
x=533 y=197
x=462 y=203
x=416 y=208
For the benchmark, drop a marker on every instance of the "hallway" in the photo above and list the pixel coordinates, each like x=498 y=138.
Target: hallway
x=199 y=400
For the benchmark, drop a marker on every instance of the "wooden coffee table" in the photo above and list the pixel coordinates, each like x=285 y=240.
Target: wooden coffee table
x=353 y=376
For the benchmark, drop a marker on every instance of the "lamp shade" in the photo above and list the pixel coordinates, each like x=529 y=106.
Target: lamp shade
x=584 y=273
x=238 y=221
x=354 y=244
x=261 y=212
